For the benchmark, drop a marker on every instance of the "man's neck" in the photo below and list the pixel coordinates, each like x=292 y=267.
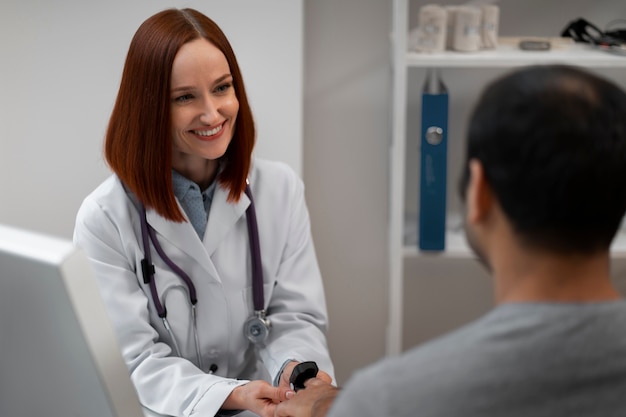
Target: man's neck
x=526 y=276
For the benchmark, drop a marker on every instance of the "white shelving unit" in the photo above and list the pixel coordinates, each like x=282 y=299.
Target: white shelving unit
x=507 y=55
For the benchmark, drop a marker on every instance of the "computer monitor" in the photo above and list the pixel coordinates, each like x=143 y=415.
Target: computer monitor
x=59 y=355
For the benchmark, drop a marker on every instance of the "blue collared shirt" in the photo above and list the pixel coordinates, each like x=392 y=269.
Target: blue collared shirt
x=195 y=203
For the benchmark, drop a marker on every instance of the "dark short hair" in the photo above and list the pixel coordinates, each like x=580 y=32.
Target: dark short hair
x=138 y=144
x=552 y=141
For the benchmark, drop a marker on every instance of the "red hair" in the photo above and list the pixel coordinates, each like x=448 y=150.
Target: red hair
x=138 y=143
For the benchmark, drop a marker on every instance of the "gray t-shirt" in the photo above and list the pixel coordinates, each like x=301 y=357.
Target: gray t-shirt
x=521 y=359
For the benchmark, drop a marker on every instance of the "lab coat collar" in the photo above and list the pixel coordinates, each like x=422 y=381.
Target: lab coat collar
x=222 y=218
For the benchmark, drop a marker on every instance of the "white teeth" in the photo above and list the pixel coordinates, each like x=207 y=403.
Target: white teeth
x=208 y=132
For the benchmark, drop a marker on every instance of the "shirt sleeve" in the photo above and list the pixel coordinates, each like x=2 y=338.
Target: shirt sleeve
x=364 y=395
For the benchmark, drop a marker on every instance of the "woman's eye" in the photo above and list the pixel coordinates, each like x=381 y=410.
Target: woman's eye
x=184 y=98
x=223 y=87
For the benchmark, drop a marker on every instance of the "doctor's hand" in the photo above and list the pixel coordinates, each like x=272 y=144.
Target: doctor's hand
x=260 y=397
x=284 y=377
x=313 y=401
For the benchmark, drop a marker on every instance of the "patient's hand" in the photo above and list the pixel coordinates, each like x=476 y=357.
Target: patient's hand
x=313 y=401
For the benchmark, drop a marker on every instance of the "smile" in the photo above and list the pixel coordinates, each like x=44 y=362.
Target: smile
x=211 y=132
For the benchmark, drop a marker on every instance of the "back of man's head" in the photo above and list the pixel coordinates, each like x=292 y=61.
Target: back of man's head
x=552 y=141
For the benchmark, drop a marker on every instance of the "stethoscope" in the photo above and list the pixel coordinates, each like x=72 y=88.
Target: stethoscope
x=256 y=328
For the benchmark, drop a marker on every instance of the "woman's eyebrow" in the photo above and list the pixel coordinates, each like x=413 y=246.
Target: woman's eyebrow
x=223 y=77
x=189 y=88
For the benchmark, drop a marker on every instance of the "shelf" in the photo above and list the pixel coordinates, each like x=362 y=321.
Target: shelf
x=508 y=55
x=457 y=247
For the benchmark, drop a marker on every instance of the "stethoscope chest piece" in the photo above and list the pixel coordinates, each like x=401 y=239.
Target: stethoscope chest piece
x=257 y=327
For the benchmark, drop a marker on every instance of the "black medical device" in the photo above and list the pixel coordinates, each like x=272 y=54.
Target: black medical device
x=301 y=372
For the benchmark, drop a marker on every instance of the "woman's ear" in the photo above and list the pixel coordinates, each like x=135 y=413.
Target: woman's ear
x=479 y=197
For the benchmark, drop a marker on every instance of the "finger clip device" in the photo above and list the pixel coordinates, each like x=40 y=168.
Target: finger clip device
x=302 y=372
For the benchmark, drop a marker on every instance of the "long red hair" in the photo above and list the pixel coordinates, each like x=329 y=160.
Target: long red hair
x=138 y=143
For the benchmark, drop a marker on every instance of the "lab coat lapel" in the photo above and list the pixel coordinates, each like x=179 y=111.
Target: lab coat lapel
x=184 y=237
x=222 y=218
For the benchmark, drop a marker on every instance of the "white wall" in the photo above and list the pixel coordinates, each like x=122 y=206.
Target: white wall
x=60 y=68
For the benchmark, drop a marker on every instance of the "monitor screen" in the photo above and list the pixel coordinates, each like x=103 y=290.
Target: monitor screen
x=58 y=351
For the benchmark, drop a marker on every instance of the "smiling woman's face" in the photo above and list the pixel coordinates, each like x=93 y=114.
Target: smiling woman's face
x=203 y=107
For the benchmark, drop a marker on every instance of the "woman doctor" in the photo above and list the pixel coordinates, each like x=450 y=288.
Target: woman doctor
x=179 y=142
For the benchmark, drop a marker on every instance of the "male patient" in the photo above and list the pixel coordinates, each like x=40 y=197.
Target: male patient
x=545 y=192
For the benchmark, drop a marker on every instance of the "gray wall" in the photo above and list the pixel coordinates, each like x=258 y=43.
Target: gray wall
x=346 y=139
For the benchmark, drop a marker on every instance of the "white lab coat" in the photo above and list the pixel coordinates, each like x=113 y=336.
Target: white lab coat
x=108 y=229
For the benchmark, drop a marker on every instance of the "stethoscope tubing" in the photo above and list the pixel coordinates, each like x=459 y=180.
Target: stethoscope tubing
x=255 y=250
x=147 y=267
x=148 y=235
x=148 y=271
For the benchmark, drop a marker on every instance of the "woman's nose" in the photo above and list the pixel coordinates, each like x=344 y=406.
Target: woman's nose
x=209 y=111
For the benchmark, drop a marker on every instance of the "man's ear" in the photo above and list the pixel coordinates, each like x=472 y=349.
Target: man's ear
x=479 y=196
